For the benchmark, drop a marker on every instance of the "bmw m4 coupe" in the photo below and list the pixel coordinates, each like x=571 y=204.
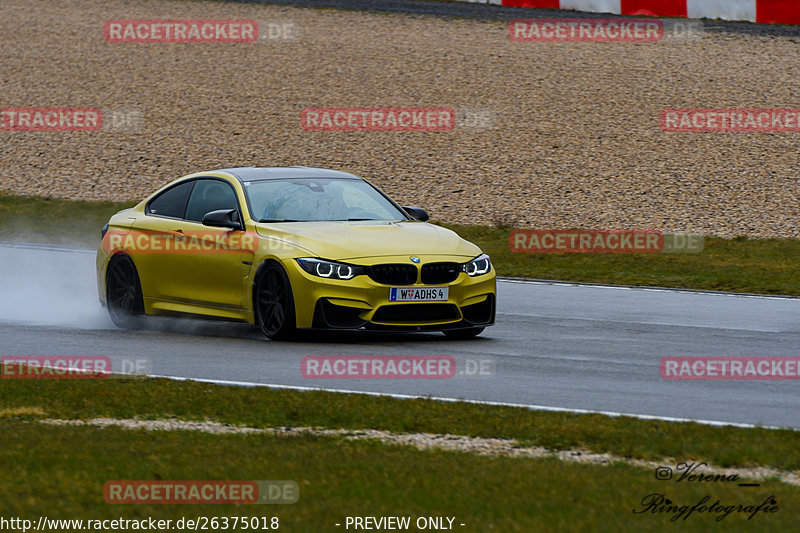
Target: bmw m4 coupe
x=288 y=249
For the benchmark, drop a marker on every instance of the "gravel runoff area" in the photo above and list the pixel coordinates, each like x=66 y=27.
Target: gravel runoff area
x=549 y=135
x=424 y=441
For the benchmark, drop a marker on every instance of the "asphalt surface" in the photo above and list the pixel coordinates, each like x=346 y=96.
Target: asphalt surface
x=556 y=345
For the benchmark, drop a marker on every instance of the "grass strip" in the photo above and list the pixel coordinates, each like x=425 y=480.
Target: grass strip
x=264 y=408
x=60 y=473
x=764 y=266
x=54 y=221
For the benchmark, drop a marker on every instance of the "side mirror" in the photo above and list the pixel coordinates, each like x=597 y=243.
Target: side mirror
x=223 y=218
x=417 y=213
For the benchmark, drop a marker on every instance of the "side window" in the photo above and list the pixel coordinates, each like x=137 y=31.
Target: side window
x=210 y=195
x=172 y=202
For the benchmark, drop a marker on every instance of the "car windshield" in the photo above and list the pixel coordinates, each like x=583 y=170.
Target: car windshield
x=312 y=199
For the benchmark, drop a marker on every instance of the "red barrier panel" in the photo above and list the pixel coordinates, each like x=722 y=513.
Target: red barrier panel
x=660 y=8
x=778 y=11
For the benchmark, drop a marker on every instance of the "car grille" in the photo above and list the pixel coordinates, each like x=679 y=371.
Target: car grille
x=393 y=274
x=400 y=313
x=435 y=273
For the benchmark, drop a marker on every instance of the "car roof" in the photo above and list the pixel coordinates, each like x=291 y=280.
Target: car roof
x=271 y=173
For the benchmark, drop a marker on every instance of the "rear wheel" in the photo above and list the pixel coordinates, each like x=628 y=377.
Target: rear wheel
x=124 y=293
x=274 y=303
x=466 y=333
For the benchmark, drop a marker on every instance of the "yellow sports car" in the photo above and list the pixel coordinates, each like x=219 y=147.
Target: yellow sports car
x=289 y=249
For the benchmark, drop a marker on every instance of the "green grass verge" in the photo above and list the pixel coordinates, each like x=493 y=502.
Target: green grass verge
x=54 y=221
x=766 y=266
x=263 y=407
x=59 y=472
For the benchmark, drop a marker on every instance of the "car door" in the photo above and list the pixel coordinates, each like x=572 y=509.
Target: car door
x=154 y=236
x=210 y=272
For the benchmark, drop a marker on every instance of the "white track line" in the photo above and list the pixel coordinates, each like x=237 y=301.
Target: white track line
x=47 y=247
x=477 y=402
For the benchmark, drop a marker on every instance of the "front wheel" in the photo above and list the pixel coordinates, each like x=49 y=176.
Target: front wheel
x=465 y=333
x=274 y=303
x=124 y=293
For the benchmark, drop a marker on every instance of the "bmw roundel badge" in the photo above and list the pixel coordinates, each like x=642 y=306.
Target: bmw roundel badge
x=414 y=259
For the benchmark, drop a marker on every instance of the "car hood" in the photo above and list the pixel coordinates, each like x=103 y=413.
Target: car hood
x=354 y=240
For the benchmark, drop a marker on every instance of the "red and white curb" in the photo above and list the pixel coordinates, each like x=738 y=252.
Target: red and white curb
x=762 y=11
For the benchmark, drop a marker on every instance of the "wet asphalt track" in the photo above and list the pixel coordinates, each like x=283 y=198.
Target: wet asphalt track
x=555 y=345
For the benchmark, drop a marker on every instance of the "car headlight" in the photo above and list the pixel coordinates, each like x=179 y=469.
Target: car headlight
x=329 y=269
x=478 y=266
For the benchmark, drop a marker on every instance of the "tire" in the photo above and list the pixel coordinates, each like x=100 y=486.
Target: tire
x=466 y=333
x=124 y=293
x=273 y=303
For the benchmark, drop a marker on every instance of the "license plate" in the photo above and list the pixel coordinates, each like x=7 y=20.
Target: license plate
x=418 y=294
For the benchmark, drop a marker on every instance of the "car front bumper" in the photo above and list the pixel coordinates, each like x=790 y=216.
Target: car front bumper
x=362 y=302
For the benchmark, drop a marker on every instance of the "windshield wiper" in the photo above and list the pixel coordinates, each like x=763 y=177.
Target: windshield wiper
x=265 y=220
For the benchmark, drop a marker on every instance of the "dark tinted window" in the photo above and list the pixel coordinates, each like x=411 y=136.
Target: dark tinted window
x=172 y=202
x=210 y=195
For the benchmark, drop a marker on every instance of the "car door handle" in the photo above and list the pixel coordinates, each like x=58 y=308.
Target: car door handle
x=178 y=233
